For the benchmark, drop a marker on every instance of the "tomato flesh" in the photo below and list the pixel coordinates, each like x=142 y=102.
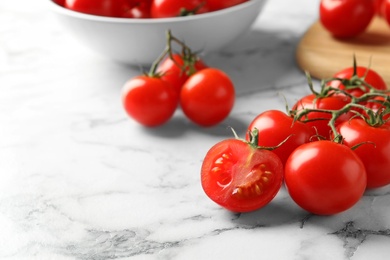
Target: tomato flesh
x=239 y=177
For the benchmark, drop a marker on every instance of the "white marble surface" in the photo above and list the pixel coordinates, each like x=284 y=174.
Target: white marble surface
x=80 y=180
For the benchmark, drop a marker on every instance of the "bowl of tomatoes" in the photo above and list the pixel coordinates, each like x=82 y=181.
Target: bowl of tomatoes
x=133 y=31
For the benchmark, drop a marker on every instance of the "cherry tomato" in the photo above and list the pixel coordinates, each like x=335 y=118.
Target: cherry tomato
x=346 y=18
x=386 y=11
x=207 y=97
x=324 y=177
x=373 y=149
x=362 y=73
x=215 y=5
x=240 y=177
x=111 y=8
x=149 y=100
x=59 y=2
x=139 y=9
x=274 y=127
x=174 y=8
x=379 y=7
x=319 y=120
x=178 y=69
x=378 y=105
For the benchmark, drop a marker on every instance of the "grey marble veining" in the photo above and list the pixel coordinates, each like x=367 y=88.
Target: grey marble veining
x=80 y=180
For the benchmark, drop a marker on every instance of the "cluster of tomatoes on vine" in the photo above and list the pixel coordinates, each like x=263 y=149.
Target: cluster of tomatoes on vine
x=349 y=18
x=206 y=95
x=146 y=8
x=331 y=147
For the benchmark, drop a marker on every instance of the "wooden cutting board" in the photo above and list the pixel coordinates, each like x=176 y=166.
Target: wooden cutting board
x=323 y=55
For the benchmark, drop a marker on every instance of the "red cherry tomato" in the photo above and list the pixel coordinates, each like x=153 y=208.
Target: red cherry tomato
x=362 y=73
x=174 y=8
x=319 y=120
x=325 y=177
x=373 y=149
x=379 y=7
x=386 y=11
x=149 y=100
x=274 y=127
x=240 y=177
x=59 y=2
x=207 y=97
x=215 y=5
x=347 y=18
x=178 y=69
x=111 y=8
x=378 y=105
x=139 y=9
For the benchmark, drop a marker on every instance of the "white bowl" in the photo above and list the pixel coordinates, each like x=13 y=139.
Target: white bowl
x=141 y=41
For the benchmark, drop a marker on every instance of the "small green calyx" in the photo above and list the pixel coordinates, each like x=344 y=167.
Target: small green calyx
x=254 y=141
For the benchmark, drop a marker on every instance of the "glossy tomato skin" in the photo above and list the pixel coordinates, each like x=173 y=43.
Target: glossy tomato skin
x=207 y=97
x=174 y=8
x=370 y=76
x=215 y=5
x=139 y=9
x=374 y=149
x=111 y=8
x=379 y=7
x=386 y=11
x=321 y=119
x=377 y=105
x=174 y=74
x=59 y=2
x=347 y=18
x=149 y=100
x=325 y=177
x=240 y=177
x=274 y=127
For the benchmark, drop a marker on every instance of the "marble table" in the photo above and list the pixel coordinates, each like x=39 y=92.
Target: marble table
x=80 y=180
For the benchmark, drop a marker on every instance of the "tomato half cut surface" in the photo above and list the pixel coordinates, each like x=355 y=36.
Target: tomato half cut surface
x=240 y=177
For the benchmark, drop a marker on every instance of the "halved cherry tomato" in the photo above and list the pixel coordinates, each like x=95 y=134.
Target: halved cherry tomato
x=324 y=177
x=149 y=100
x=175 y=8
x=207 y=97
x=373 y=148
x=346 y=18
x=274 y=127
x=178 y=69
x=240 y=177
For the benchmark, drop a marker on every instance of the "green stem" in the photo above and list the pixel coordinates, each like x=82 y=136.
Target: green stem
x=153 y=68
